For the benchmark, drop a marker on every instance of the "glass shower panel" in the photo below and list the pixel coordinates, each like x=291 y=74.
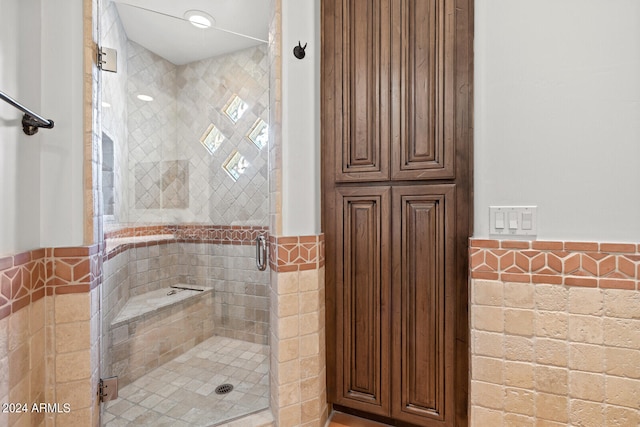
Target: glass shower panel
x=185 y=321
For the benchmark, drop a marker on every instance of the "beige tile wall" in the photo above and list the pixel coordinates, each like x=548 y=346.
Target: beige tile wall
x=298 y=367
x=45 y=353
x=553 y=354
x=71 y=345
x=72 y=319
x=22 y=363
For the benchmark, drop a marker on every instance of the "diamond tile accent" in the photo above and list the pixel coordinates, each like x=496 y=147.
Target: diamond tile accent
x=188 y=99
x=175 y=184
x=196 y=233
x=147 y=189
x=297 y=253
x=26 y=277
x=585 y=264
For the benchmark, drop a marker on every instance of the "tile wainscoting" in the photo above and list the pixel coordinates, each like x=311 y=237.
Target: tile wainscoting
x=50 y=314
x=298 y=362
x=555 y=333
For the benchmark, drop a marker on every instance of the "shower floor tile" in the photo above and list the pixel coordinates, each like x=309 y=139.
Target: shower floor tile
x=182 y=392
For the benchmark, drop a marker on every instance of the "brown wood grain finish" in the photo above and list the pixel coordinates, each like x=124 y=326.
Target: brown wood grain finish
x=425 y=147
x=424 y=281
x=365 y=67
x=363 y=287
x=397 y=199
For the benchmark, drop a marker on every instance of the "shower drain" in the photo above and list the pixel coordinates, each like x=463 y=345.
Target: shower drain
x=224 y=388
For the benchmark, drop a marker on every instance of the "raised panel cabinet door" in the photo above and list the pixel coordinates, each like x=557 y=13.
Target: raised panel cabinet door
x=362 y=287
x=423 y=90
x=361 y=45
x=423 y=291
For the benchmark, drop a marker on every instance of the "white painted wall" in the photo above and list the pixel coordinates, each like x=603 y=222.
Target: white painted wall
x=61 y=184
x=557 y=115
x=301 y=119
x=41 y=176
x=557 y=118
x=19 y=153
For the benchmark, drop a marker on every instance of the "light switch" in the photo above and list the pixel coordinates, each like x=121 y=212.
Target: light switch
x=499 y=220
x=526 y=220
x=513 y=220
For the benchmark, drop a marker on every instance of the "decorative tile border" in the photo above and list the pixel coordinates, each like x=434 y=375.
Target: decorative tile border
x=29 y=276
x=22 y=280
x=134 y=237
x=296 y=253
x=221 y=234
x=584 y=264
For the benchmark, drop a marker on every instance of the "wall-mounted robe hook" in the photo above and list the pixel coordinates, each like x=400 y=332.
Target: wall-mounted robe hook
x=298 y=51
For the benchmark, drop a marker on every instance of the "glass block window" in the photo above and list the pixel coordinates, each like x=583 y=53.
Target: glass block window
x=212 y=138
x=235 y=108
x=259 y=133
x=235 y=165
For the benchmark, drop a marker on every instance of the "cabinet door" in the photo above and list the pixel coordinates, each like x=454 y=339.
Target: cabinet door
x=361 y=54
x=423 y=90
x=362 y=308
x=423 y=291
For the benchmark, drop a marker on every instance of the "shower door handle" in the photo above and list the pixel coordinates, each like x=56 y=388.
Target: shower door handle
x=261 y=253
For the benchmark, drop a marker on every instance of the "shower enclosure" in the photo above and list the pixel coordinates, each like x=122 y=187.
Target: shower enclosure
x=185 y=308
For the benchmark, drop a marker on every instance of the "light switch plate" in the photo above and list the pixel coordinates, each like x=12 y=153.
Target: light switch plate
x=526 y=221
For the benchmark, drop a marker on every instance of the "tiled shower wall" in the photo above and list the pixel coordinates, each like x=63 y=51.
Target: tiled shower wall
x=555 y=334
x=203 y=89
x=241 y=304
x=151 y=131
x=163 y=173
x=114 y=93
x=239 y=308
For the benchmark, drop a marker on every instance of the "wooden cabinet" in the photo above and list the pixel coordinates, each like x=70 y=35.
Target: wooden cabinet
x=423 y=299
x=363 y=275
x=396 y=177
x=395 y=90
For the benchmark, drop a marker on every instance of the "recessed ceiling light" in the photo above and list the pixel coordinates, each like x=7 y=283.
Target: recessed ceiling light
x=105 y=105
x=146 y=98
x=199 y=19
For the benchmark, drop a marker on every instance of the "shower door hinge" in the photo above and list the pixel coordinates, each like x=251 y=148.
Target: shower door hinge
x=107 y=59
x=108 y=389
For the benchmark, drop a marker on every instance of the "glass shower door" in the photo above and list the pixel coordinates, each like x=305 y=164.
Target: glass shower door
x=185 y=310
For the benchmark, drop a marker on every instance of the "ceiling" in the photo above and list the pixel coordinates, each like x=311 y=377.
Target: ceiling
x=160 y=26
